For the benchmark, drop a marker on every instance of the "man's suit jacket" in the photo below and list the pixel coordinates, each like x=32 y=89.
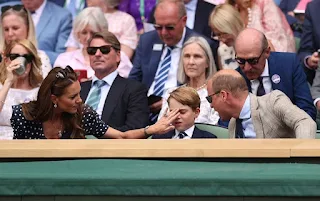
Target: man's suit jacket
x=201 y=18
x=310 y=39
x=274 y=116
x=292 y=81
x=126 y=106
x=197 y=133
x=53 y=30
x=146 y=59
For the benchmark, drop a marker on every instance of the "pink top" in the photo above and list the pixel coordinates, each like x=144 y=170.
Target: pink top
x=124 y=27
x=268 y=18
x=75 y=59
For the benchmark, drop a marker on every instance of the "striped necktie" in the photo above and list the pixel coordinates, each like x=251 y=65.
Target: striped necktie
x=94 y=98
x=182 y=135
x=163 y=72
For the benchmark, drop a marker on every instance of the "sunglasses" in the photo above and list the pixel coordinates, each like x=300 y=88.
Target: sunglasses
x=28 y=57
x=218 y=36
x=209 y=98
x=17 y=7
x=159 y=27
x=103 y=49
x=61 y=75
x=251 y=61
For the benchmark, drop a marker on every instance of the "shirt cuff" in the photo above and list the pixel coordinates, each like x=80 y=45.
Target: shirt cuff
x=306 y=63
x=315 y=101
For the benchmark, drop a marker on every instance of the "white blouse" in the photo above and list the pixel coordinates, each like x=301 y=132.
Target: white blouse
x=14 y=97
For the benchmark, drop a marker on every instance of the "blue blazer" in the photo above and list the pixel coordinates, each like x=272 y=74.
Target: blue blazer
x=53 y=30
x=197 y=133
x=293 y=80
x=146 y=59
x=310 y=39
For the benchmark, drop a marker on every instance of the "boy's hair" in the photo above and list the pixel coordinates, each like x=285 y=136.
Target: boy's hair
x=186 y=96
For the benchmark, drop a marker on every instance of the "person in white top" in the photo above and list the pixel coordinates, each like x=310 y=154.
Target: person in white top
x=16 y=24
x=17 y=86
x=196 y=65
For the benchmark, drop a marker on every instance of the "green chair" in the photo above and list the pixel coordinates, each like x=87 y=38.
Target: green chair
x=318 y=134
x=220 y=132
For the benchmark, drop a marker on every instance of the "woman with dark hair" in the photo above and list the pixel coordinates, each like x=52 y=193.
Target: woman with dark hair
x=58 y=113
x=20 y=78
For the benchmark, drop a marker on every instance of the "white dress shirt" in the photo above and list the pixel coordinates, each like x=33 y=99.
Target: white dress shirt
x=175 y=56
x=37 y=13
x=189 y=133
x=267 y=85
x=191 y=8
x=245 y=115
x=109 y=79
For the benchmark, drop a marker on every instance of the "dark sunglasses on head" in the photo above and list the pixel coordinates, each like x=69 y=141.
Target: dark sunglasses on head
x=17 y=7
x=28 y=57
x=159 y=27
x=251 y=61
x=103 y=49
x=209 y=98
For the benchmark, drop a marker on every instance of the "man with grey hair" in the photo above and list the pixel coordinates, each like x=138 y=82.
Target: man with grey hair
x=266 y=71
x=158 y=52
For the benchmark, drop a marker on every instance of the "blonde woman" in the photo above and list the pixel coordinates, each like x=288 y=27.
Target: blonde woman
x=15 y=88
x=16 y=24
x=196 y=65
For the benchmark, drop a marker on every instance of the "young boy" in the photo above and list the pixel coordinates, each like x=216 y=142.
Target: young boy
x=187 y=100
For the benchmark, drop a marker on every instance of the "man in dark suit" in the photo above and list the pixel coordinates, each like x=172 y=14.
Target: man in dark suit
x=265 y=71
x=187 y=100
x=198 y=12
x=310 y=39
x=121 y=103
x=158 y=52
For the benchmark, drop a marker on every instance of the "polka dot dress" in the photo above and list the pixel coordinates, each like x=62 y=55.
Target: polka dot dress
x=25 y=129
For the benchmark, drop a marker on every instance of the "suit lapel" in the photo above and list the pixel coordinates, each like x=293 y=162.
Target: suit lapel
x=255 y=116
x=155 y=59
x=245 y=77
x=116 y=90
x=85 y=88
x=274 y=72
x=196 y=133
x=198 y=18
x=44 y=19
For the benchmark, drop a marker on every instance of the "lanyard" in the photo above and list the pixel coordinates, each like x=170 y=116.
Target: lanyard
x=141 y=9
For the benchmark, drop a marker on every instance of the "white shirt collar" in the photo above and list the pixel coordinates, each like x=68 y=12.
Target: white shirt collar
x=189 y=132
x=265 y=72
x=192 y=5
x=180 y=43
x=245 y=111
x=109 y=79
x=41 y=8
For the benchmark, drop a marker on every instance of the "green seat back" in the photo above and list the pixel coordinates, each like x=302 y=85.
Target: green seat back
x=219 y=131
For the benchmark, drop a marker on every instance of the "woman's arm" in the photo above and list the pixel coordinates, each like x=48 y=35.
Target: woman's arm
x=164 y=125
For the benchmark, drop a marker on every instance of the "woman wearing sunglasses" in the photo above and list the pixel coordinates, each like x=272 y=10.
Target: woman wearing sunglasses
x=58 y=113
x=20 y=78
x=16 y=24
x=196 y=65
x=87 y=22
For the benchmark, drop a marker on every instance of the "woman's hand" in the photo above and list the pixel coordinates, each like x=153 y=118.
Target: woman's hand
x=11 y=75
x=164 y=124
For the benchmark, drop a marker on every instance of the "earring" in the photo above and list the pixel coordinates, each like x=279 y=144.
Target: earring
x=55 y=105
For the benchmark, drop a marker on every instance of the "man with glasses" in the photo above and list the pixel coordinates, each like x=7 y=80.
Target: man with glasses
x=266 y=71
x=158 y=52
x=120 y=102
x=270 y=116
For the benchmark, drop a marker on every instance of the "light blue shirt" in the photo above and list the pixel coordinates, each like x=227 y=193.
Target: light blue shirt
x=191 y=13
x=109 y=79
x=247 y=124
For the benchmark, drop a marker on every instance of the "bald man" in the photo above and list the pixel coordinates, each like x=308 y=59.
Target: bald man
x=270 y=116
x=266 y=71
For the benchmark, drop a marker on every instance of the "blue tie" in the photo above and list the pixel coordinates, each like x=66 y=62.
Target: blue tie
x=260 y=91
x=162 y=75
x=182 y=135
x=239 y=129
x=94 y=98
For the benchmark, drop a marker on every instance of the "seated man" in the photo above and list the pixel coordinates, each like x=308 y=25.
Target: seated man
x=270 y=116
x=266 y=71
x=187 y=100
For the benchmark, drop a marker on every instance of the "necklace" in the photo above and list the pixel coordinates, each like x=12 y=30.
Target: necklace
x=198 y=88
x=59 y=130
x=249 y=17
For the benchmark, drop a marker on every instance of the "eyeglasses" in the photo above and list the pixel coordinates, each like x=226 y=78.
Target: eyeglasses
x=251 y=61
x=209 y=98
x=28 y=57
x=61 y=75
x=103 y=49
x=218 y=36
x=17 y=7
x=166 y=27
